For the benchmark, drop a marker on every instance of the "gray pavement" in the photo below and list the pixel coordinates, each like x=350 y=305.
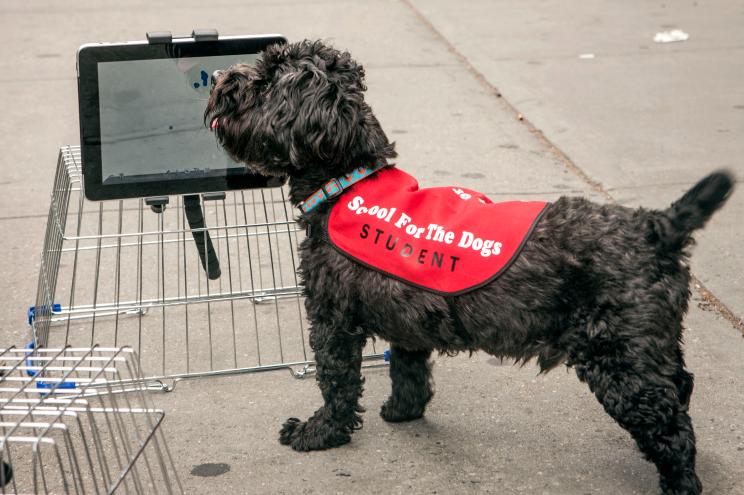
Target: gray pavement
x=643 y=120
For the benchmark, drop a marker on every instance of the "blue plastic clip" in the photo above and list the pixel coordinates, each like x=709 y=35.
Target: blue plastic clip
x=31 y=314
x=51 y=385
x=30 y=346
x=42 y=383
x=386 y=355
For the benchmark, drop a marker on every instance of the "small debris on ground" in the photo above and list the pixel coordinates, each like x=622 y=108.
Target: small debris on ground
x=586 y=56
x=671 y=36
x=706 y=305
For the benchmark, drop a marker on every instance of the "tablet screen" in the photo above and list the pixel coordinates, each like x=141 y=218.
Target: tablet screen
x=151 y=120
x=142 y=127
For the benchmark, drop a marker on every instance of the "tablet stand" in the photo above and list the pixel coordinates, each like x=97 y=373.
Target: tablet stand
x=111 y=273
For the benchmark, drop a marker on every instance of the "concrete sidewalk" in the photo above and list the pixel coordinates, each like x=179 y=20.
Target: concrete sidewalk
x=643 y=121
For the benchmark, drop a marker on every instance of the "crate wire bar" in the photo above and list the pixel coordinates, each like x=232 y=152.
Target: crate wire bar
x=78 y=420
x=115 y=273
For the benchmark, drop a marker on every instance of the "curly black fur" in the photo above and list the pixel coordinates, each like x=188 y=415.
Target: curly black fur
x=602 y=288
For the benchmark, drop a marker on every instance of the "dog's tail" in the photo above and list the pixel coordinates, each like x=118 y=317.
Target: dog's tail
x=675 y=225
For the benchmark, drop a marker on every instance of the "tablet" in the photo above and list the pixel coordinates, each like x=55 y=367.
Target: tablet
x=141 y=117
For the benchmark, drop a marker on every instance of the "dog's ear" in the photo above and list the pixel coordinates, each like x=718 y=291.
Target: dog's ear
x=314 y=108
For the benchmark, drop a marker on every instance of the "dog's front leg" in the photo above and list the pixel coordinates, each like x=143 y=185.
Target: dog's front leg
x=338 y=357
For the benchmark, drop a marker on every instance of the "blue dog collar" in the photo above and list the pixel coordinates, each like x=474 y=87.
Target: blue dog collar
x=335 y=187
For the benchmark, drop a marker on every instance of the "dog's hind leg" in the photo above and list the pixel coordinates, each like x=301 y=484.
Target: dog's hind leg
x=684 y=381
x=646 y=394
x=410 y=373
x=338 y=357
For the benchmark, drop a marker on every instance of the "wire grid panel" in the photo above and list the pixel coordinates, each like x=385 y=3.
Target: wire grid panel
x=115 y=273
x=79 y=421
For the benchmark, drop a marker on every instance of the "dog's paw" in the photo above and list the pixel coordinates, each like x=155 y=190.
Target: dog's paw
x=303 y=436
x=395 y=413
x=288 y=430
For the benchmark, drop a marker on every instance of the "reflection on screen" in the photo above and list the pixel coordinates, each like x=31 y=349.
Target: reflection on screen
x=151 y=120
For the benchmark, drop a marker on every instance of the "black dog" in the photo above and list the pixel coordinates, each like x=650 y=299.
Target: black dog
x=602 y=288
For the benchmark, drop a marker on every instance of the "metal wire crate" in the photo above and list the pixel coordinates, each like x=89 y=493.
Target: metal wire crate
x=79 y=421
x=116 y=273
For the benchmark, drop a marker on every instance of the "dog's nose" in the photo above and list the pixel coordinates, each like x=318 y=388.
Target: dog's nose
x=215 y=75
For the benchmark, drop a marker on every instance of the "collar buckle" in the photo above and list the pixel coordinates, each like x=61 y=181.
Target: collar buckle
x=332 y=188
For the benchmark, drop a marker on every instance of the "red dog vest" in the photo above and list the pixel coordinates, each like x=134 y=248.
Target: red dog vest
x=448 y=240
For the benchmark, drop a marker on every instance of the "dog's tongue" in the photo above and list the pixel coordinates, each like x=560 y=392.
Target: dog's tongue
x=214 y=124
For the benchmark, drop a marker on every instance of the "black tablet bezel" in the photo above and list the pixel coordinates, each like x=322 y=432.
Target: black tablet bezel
x=88 y=57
